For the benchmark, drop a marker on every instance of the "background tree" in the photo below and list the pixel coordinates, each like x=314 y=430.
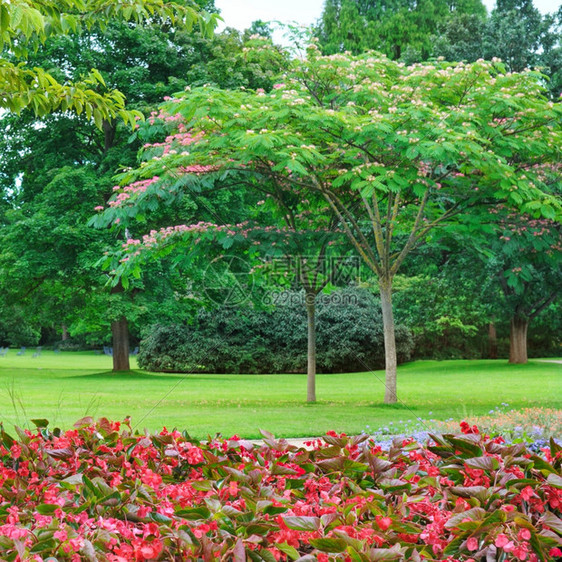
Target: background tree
x=392 y=27
x=515 y=32
x=526 y=261
x=146 y=63
x=394 y=151
x=26 y=24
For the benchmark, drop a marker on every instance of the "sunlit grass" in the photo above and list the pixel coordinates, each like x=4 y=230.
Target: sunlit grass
x=67 y=386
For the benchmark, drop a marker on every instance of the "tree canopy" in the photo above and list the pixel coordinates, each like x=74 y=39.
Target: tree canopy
x=390 y=26
x=27 y=24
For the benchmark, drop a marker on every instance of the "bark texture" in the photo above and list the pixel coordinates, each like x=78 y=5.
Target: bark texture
x=120 y=333
x=390 y=392
x=518 y=340
x=492 y=341
x=310 y=301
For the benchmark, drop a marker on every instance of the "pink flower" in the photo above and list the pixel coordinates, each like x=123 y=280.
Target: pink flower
x=472 y=544
x=15 y=449
x=195 y=455
x=61 y=535
x=501 y=540
x=524 y=535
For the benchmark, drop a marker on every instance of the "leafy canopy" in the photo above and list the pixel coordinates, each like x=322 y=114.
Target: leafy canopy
x=394 y=150
x=26 y=24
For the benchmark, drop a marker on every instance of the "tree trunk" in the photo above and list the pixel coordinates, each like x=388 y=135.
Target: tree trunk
x=120 y=332
x=109 y=130
x=518 y=340
x=390 y=396
x=492 y=341
x=310 y=302
x=64 y=332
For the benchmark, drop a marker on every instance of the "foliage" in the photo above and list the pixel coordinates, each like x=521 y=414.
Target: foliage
x=395 y=27
x=16 y=329
x=230 y=340
x=25 y=25
x=445 y=309
x=461 y=497
x=516 y=32
x=526 y=254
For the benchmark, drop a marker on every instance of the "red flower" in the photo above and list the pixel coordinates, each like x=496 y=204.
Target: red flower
x=383 y=522
x=150 y=550
x=527 y=493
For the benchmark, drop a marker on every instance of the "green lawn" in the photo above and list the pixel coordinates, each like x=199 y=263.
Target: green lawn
x=68 y=386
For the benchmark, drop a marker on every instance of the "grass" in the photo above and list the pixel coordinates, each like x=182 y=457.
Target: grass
x=67 y=386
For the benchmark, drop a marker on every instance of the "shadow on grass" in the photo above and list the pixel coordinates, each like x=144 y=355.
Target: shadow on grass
x=398 y=406
x=143 y=375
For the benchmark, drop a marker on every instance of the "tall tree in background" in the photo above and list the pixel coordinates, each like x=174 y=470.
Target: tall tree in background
x=526 y=260
x=515 y=32
x=389 y=26
x=146 y=63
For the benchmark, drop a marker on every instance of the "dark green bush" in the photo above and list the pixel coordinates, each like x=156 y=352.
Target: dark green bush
x=230 y=340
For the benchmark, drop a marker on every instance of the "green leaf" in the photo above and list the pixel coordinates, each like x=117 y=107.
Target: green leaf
x=465 y=446
x=40 y=422
x=474 y=514
x=46 y=508
x=329 y=545
x=4 y=18
x=193 y=513
x=554 y=480
x=274 y=510
x=542 y=465
x=98 y=118
x=289 y=550
x=159 y=518
x=302 y=523
x=47 y=545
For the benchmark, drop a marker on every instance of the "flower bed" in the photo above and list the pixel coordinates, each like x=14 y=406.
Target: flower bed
x=101 y=492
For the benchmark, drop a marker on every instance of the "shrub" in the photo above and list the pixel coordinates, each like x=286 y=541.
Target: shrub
x=102 y=492
x=229 y=340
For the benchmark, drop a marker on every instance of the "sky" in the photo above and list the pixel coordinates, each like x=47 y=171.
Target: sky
x=241 y=13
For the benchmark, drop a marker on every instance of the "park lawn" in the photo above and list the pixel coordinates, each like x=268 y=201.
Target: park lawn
x=67 y=386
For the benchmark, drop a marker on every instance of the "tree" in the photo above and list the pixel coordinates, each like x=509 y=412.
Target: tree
x=47 y=28
x=389 y=26
x=26 y=24
x=515 y=32
x=291 y=245
x=394 y=151
x=526 y=260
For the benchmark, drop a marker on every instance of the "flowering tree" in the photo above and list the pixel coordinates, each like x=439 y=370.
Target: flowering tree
x=293 y=241
x=395 y=151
